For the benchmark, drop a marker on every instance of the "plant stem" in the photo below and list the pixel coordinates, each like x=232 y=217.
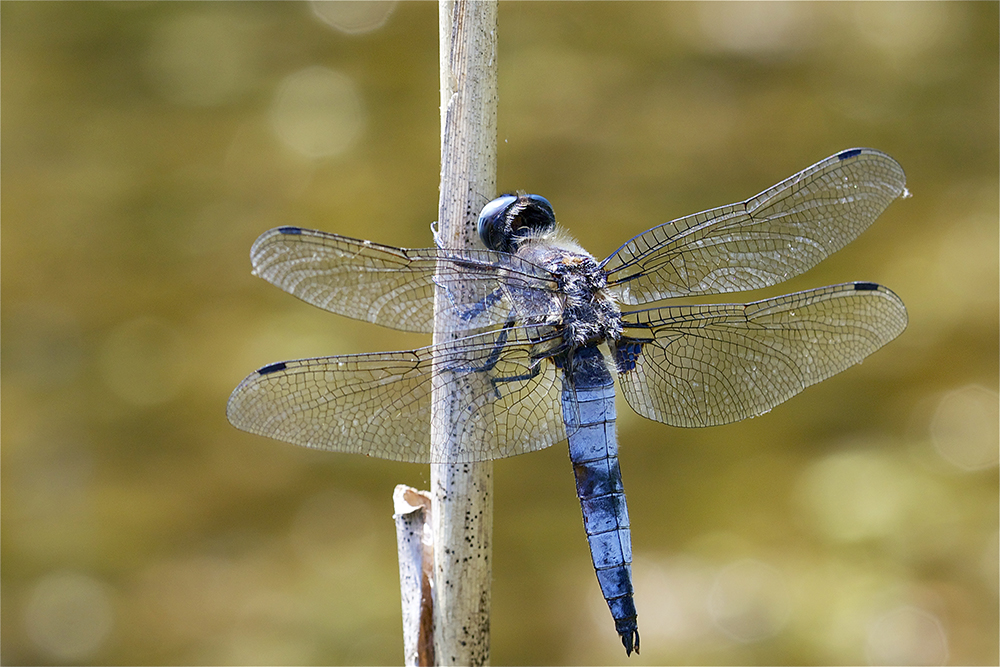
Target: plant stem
x=463 y=493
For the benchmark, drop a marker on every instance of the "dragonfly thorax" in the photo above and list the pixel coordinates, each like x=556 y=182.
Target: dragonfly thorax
x=588 y=314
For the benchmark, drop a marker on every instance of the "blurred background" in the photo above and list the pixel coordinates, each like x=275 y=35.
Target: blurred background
x=145 y=147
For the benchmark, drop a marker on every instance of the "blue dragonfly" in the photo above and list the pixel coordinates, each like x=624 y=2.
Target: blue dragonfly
x=544 y=334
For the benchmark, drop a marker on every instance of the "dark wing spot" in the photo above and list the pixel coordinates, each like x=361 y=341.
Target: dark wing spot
x=865 y=287
x=849 y=154
x=290 y=230
x=272 y=368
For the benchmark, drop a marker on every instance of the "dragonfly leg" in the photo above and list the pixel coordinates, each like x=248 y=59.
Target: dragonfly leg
x=494 y=357
x=495 y=382
x=474 y=310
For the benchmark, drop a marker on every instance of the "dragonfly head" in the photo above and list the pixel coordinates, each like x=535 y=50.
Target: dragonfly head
x=508 y=220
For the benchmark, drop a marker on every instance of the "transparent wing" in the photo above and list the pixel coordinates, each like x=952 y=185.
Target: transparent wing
x=381 y=404
x=391 y=286
x=710 y=365
x=778 y=234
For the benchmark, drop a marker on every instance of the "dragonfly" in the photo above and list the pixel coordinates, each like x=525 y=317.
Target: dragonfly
x=545 y=329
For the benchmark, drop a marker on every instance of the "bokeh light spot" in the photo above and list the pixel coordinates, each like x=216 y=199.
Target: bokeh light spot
x=907 y=35
x=749 y=600
x=671 y=594
x=762 y=30
x=69 y=615
x=907 y=636
x=353 y=17
x=854 y=496
x=965 y=428
x=317 y=112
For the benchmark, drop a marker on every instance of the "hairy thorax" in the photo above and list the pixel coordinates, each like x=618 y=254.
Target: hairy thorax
x=585 y=310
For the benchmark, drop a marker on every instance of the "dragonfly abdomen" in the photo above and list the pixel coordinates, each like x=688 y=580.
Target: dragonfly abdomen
x=588 y=402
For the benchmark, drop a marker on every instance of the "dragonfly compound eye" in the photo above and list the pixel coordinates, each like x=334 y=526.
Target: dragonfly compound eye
x=491 y=221
x=509 y=219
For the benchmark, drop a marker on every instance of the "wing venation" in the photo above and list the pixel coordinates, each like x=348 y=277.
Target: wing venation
x=698 y=366
x=780 y=233
x=393 y=287
x=381 y=404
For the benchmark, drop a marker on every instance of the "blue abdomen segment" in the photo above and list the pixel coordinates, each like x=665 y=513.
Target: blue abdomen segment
x=588 y=402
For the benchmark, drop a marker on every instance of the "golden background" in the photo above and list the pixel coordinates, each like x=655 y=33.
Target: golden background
x=145 y=147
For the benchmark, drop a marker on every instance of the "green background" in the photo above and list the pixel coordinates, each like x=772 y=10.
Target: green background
x=145 y=147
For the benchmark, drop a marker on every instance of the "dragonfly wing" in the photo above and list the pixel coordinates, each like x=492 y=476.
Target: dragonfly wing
x=780 y=233
x=381 y=404
x=711 y=365
x=393 y=287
